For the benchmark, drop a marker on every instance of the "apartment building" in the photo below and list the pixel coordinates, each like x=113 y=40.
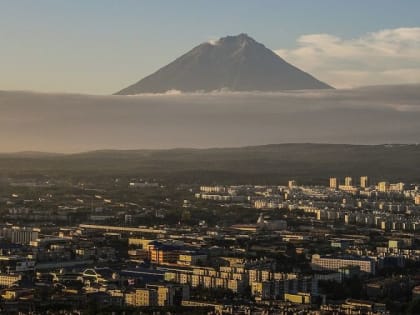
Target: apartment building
x=335 y=263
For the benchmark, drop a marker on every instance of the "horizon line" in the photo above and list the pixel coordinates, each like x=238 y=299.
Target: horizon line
x=57 y=153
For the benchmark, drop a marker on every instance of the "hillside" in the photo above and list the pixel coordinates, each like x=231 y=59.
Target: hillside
x=311 y=163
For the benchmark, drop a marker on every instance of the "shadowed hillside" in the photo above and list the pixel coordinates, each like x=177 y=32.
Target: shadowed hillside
x=309 y=163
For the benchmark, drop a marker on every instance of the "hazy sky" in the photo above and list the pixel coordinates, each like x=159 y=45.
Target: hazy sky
x=71 y=123
x=101 y=46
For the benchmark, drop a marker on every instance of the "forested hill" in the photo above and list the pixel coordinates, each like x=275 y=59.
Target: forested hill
x=309 y=163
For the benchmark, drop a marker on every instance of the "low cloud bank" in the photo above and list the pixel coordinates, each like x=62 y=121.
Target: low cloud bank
x=73 y=123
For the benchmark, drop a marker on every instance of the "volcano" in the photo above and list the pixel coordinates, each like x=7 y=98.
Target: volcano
x=234 y=63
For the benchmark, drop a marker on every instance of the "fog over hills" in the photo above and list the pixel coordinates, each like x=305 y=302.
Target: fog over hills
x=235 y=63
x=74 y=123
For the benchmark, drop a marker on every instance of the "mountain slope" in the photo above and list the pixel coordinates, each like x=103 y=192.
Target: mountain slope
x=236 y=63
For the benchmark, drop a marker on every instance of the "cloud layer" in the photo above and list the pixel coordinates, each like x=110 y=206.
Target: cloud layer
x=71 y=123
x=389 y=56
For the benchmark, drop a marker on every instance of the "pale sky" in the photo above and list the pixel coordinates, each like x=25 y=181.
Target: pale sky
x=101 y=46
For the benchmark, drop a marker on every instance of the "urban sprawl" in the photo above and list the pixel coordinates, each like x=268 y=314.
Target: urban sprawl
x=135 y=246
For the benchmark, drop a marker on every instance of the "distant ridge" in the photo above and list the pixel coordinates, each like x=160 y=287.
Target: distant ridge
x=30 y=154
x=276 y=163
x=235 y=63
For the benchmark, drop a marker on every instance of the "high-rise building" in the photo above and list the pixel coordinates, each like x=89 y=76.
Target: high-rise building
x=333 y=183
x=8 y=280
x=24 y=235
x=319 y=262
x=348 y=181
x=292 y=183
x=398 y=187
x=383 y=186
x=364 y=181
x=168 y=294
x=142 y=297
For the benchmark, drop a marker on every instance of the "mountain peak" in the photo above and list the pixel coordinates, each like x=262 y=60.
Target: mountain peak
x=240 y=38
x=237 y=63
